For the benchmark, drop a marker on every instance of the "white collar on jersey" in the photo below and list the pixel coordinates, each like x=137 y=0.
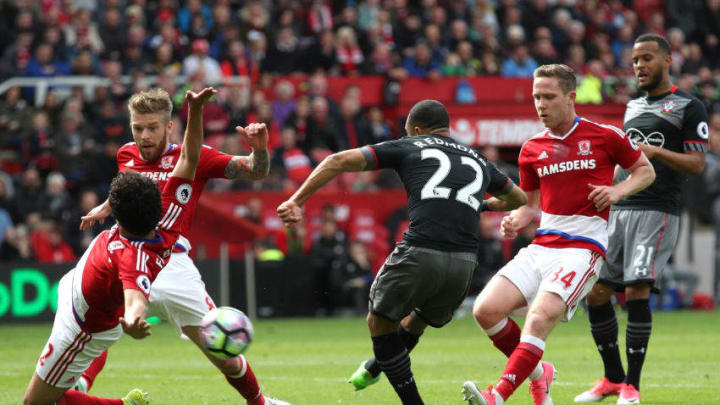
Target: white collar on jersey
x=575 y=124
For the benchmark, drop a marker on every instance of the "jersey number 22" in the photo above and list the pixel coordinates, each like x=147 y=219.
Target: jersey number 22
x=433 y=189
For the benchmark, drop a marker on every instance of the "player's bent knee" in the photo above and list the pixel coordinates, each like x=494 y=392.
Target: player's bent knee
x=486 y=314
x=599 y=295
x=637 y=292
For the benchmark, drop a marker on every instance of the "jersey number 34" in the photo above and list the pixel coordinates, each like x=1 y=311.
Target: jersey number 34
x=433 y=189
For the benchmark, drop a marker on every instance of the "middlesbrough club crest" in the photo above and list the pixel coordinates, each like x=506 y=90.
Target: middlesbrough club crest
x=166 y=162
x=584 y=148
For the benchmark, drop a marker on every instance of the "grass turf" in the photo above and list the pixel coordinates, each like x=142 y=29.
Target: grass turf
x=307 y=361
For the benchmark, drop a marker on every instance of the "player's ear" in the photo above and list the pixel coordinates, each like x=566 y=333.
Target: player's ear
x=170 y=126
x=572 y=95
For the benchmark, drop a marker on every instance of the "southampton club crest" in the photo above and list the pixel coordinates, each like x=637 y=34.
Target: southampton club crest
x=584 y=148
x=668 y=107
x=166 y=162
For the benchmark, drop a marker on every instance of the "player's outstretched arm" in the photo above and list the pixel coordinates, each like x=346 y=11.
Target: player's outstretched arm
x=688 y=162
x=133 y=322
x=98 y=213
x=521 y=217
x=351 y=160
x=642 y=174
x=255 y=166
x=192 y=141
x=511 y=200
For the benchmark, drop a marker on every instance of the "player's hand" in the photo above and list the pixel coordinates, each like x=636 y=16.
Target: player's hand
x=198 y=99
x=98 y=213
x=256 y=135
x=604 y=196
x=289 y=212
x=138 y=329
x=649 y=150
x=509 y=227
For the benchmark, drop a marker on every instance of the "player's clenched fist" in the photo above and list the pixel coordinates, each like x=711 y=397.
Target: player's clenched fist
x=509 y=227
x=289 y=212
x=603 y=196
x=198 y=99
x=256 y=135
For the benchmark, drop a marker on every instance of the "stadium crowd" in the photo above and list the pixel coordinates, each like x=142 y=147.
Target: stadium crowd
x=57 y=159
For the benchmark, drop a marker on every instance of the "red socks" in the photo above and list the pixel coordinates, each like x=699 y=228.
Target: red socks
x=78 y=398
x=246 y=384
x=521 y=363
x=94 y=369
x=505 y=336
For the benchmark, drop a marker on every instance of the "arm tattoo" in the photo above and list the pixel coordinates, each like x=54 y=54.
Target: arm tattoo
x=253 y=167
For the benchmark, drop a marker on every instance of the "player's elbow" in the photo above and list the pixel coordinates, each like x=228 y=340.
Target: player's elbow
x=517 y=199
x=698 y=168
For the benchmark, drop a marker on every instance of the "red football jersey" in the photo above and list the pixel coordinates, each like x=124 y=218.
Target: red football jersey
x=561 y=167
x=212 y=164
x=113 y=263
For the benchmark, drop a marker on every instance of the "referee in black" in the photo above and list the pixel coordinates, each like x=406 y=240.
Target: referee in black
x=670 y=126
x=428 y=274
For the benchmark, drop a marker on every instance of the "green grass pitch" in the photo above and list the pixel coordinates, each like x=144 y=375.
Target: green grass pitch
x=307 y=361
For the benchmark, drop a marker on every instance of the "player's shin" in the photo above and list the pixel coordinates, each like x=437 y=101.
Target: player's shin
x=78 y=398
x=244 y=382
x=394 y=361
x=604 y=327
x=520 y=364
x=638 y=335
x=409 y=339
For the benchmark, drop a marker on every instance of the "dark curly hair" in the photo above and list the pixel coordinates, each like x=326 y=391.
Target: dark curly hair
x=135 y=202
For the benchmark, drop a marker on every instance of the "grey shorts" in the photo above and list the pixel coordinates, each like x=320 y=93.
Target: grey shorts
x=640 y=244
x=430 y=282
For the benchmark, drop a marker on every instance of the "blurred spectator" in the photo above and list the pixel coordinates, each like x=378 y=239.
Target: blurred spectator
x=55 y=202
x=15 y=120
x=83 y=32
x=291 y=159
x=284 y=103
x=80 y=240
x=238 y=63
x=44 y=64
x=421 y=64
x=283 y=58
x=355 y=125
x=49 y=246
x=490 y=256
x=520 y=63
x=492 y=153
x=198 y=62
x=353 y=282
x=321 y=54
x=328 y=255
x=589 y=89
x=349 y=54
x=319 y=17
x=709 y=96
x=190 y=9
x=379 y=128
x=323 y=131
x=111 y=31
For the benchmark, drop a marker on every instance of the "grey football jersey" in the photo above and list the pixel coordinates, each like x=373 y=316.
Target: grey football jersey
x=676 y=121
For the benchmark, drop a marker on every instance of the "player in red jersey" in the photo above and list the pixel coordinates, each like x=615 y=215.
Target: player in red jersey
x=179 y=295
x=567 y=173
x=107 y=291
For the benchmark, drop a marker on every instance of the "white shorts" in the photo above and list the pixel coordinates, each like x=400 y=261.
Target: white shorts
x=69 y=350
x=569 y=273
x=178 y=294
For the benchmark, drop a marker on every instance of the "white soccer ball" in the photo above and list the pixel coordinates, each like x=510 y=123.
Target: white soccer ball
x=227 y=332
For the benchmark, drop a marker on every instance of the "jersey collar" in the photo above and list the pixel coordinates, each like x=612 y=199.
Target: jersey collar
x=158 y=239
x=575 y=124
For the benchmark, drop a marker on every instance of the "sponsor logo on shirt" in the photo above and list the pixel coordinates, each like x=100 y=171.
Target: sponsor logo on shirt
x=653 y=138
x=570 y=165
x=156 y=176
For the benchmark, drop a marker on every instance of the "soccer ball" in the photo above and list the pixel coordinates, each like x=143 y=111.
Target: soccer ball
x=227 y=332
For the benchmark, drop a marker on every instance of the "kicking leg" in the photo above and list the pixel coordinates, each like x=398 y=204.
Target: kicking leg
x=392 y=355
x=41 y=393
x=409 y=331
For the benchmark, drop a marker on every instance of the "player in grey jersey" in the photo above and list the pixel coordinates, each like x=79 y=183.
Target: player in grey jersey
x=671 y=127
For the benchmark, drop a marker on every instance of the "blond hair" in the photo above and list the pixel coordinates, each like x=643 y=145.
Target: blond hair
x=563 y=73
x=151 y=102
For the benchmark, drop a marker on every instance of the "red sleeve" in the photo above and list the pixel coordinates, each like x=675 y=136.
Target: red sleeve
x=212 y=163
x=135 y=267
x=529 y=180
x=175 y=196
x=124 y=155
x=623 y=150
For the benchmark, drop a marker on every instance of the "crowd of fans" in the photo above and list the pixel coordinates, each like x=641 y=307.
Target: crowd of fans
x=57 y=159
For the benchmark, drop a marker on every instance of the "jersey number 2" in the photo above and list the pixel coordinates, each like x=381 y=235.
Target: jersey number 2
x=433 y=189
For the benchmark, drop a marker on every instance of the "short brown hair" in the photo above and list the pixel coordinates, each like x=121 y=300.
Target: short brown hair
x=563 y=73
x=151 y=102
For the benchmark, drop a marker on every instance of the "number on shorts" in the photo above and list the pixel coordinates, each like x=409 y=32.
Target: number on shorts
x=566 y=279
x=433 y=190
x=643 y=260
